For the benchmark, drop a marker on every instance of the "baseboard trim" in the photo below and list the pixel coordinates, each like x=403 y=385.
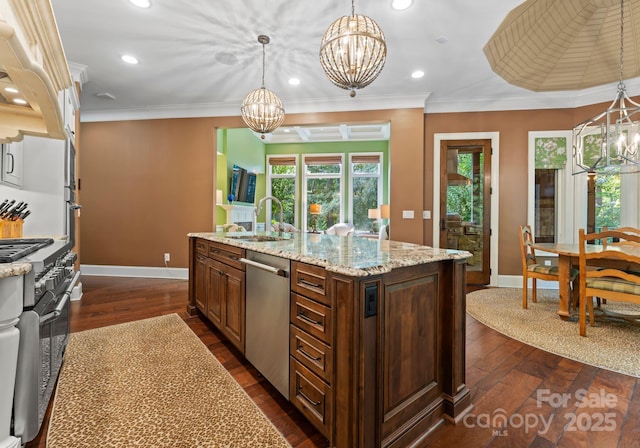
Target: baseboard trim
x=134 y=271
x=515 y=281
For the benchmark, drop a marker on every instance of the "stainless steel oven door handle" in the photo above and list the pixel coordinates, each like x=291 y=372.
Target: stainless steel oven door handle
x=265 y=267
x=66 y=295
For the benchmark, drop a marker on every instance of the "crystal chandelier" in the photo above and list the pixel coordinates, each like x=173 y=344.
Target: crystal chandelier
x=261 y=109
x=609 y=142
x=353 y=51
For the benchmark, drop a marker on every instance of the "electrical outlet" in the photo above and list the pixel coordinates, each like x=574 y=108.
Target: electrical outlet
x=167 y=257
x=547 y=262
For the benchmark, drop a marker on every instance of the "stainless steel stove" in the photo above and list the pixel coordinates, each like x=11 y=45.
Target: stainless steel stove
x=14 y=249
x=43 y=325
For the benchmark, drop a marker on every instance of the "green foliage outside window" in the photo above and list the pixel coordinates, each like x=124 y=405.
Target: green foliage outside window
x=466 y=200
x=283 y=188
x=326 y=192
x=608 y=201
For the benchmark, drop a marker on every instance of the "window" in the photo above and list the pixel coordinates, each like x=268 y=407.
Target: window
x=366 y=188
x=551 y=203
x=558 y=199
x=545 y=205
x=323 y=179
x=282 y=183
x=607 y=201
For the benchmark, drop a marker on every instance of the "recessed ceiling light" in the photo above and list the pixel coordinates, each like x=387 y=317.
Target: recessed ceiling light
x=294 y=81
x=19 y=101
x=399 y=5
x=226 y=58
x=11 y=90
x=417 y=74
x=442 y=39
x=141 y=3
x=129 y=59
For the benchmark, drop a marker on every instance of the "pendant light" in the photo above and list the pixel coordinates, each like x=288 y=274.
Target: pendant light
x=610 y=141
x=261 y=109
x=353 y=51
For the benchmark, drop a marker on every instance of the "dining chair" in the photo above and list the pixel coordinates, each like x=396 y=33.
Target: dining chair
x=610 y=281
x=535 y=271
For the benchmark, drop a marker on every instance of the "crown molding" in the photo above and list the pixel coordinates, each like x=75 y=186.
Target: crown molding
x=525 y=101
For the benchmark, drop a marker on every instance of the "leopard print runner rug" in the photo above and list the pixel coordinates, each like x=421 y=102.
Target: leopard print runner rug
x=151 y=383
x=612 y=344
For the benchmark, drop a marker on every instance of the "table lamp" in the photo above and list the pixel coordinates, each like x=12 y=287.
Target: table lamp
x=374 y=215
x=385 y=211
x=315 y=210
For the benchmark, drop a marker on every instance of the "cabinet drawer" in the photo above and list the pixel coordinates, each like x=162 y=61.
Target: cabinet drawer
x=312 y=396
x=312 y=317
x=312 y=353
x=311 y=281
x=202 y=247
x=226 y=254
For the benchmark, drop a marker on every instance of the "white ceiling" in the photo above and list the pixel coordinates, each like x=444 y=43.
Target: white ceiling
x=201 y=57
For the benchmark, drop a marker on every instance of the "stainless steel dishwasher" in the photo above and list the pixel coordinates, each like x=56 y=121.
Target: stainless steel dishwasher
x=267 y=317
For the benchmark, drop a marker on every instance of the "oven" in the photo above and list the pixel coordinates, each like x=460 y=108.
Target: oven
x=43 y=326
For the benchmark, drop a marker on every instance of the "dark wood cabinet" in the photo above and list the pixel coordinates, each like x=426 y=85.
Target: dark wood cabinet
x=200 y=274
x=215 y=285
x=219 y=288
x=311 y=339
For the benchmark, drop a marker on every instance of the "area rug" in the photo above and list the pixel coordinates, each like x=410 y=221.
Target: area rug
x=151 y=383
x=610 y=344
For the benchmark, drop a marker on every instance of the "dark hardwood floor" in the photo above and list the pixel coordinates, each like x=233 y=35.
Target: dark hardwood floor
x=506 y=378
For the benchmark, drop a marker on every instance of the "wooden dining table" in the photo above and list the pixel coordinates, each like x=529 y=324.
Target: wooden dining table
x=568 y=257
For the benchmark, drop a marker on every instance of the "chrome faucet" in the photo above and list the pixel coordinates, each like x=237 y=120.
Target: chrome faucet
x=277 y=201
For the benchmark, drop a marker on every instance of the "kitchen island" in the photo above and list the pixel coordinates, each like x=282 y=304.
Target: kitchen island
x=377 y=329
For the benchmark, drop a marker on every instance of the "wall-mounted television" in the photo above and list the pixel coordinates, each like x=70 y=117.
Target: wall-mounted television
x=243 y=185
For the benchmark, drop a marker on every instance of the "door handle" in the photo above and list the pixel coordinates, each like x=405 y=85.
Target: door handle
x=443 y=224
x=13 y=163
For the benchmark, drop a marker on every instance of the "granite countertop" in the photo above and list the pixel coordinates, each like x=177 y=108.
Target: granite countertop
x=348 y=255
x=13 y=269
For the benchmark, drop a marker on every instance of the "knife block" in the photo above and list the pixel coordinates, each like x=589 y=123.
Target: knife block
x=11 y=229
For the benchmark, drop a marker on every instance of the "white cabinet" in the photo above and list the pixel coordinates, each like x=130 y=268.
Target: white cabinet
x=69 y=104
x=12 y=164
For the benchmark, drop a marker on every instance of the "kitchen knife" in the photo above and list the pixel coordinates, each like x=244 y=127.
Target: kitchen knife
x=7 y=207
x=4 y=203
x=25 y=214
x=8 y=214
x=18 y=211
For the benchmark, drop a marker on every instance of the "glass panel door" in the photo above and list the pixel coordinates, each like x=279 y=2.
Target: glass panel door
x=465 y=187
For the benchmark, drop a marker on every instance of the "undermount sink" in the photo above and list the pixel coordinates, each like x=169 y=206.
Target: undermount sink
x=257 y=238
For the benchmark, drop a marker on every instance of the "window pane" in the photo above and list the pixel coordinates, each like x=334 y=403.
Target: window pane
x=366 y=168
x=607 y=201
x=327 y=169
x=325 y=192
x=365 y=196
x=545 y=206
x=283 y=169
x=285 y=190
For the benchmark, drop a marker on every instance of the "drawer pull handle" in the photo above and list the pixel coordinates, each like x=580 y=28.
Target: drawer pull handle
x=308 y=283
x=304 y=317
x=201 y=257
x=303 y=395
x=308 y=355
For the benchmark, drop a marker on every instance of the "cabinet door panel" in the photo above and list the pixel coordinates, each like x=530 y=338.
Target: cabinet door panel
x=201 y=283
x=215 y=291
x=233 y=308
